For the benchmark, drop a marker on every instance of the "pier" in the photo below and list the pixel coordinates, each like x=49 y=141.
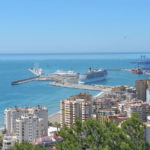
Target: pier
x=23 y=81
x=83 y=86
x=51 y=77
x=118 y=69
x=37 y=78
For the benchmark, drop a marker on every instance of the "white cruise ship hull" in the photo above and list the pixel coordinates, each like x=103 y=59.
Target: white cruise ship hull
x=93 y=76
x=92 y=80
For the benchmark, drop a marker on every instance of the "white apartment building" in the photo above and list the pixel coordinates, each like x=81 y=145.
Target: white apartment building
x=8 y=141
x=12 y=114
x=148 y=96
x=29 y=128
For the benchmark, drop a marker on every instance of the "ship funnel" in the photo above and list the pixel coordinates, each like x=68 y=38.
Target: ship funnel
x=90 y=69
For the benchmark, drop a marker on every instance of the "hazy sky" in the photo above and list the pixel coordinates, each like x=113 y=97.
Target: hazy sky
x=74 y=26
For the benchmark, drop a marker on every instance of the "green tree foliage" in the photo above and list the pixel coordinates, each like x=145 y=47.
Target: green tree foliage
x=26 y=146
x=102 y=135
x=134 y=128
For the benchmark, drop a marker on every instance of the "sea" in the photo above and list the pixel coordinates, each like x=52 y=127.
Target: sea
x=15 y=67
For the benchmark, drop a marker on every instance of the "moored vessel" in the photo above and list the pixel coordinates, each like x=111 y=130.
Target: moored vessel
x=69 y=73
x=137 y=71
x=93 y=76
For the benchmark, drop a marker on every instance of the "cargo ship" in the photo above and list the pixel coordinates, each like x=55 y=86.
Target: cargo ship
x=92 y=76
x=137 y=71
x=143 y=65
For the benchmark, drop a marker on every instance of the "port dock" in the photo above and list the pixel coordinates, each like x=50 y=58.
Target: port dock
x=51 y=77
x=83 y=86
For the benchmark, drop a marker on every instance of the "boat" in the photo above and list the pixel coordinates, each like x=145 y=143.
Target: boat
x=36 y=70
x=137 y=71
x=69 y=73
x=92 y=76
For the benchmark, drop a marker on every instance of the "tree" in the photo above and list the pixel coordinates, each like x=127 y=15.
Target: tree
x=57 y=125
x=26 y=146
x=134 y=128
x=115 y=137
x=103 y=135
x=71 y=137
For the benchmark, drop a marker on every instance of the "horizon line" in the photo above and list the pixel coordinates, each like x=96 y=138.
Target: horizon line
x=74 y=52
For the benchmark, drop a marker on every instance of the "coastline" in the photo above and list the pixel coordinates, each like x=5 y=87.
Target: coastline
x=53 y=118
x=99 y=94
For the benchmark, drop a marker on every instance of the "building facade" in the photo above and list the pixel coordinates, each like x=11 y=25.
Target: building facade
x=30 y=127
x=26 y=123
x=148 y=96
x=142 y=109
x=8 y=142
x=141 y=86
x=75 y=107
x=12 y=114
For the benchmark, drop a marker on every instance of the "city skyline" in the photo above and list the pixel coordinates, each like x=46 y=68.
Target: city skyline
x=74 y=26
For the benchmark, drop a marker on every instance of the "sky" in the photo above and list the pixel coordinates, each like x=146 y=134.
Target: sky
x=62 y=26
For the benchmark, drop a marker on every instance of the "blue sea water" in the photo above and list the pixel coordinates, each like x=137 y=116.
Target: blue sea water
x=15 y=66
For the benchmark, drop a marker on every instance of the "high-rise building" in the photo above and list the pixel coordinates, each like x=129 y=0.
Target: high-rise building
x=74 y=107
x=141 y=86
x=30 y=127
x=12 y=114
x=148 y=96
x=148 y=83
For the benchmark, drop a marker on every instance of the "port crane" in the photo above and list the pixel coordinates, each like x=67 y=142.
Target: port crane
x=143 y=64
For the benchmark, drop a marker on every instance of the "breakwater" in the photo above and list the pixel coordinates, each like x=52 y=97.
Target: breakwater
x=23 y=81
x=37 y=78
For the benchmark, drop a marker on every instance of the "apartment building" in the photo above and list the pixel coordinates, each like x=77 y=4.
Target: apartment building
x=141 y=87
x=30 y=127
x=74 y=107
x=148 y=96
x=12 y=114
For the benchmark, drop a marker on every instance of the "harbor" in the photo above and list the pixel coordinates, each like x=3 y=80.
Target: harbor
x=60 y=79
x=70 y=79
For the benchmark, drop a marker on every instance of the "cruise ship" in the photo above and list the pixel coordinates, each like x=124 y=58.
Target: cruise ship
x=92 y=76
x=69 y=73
